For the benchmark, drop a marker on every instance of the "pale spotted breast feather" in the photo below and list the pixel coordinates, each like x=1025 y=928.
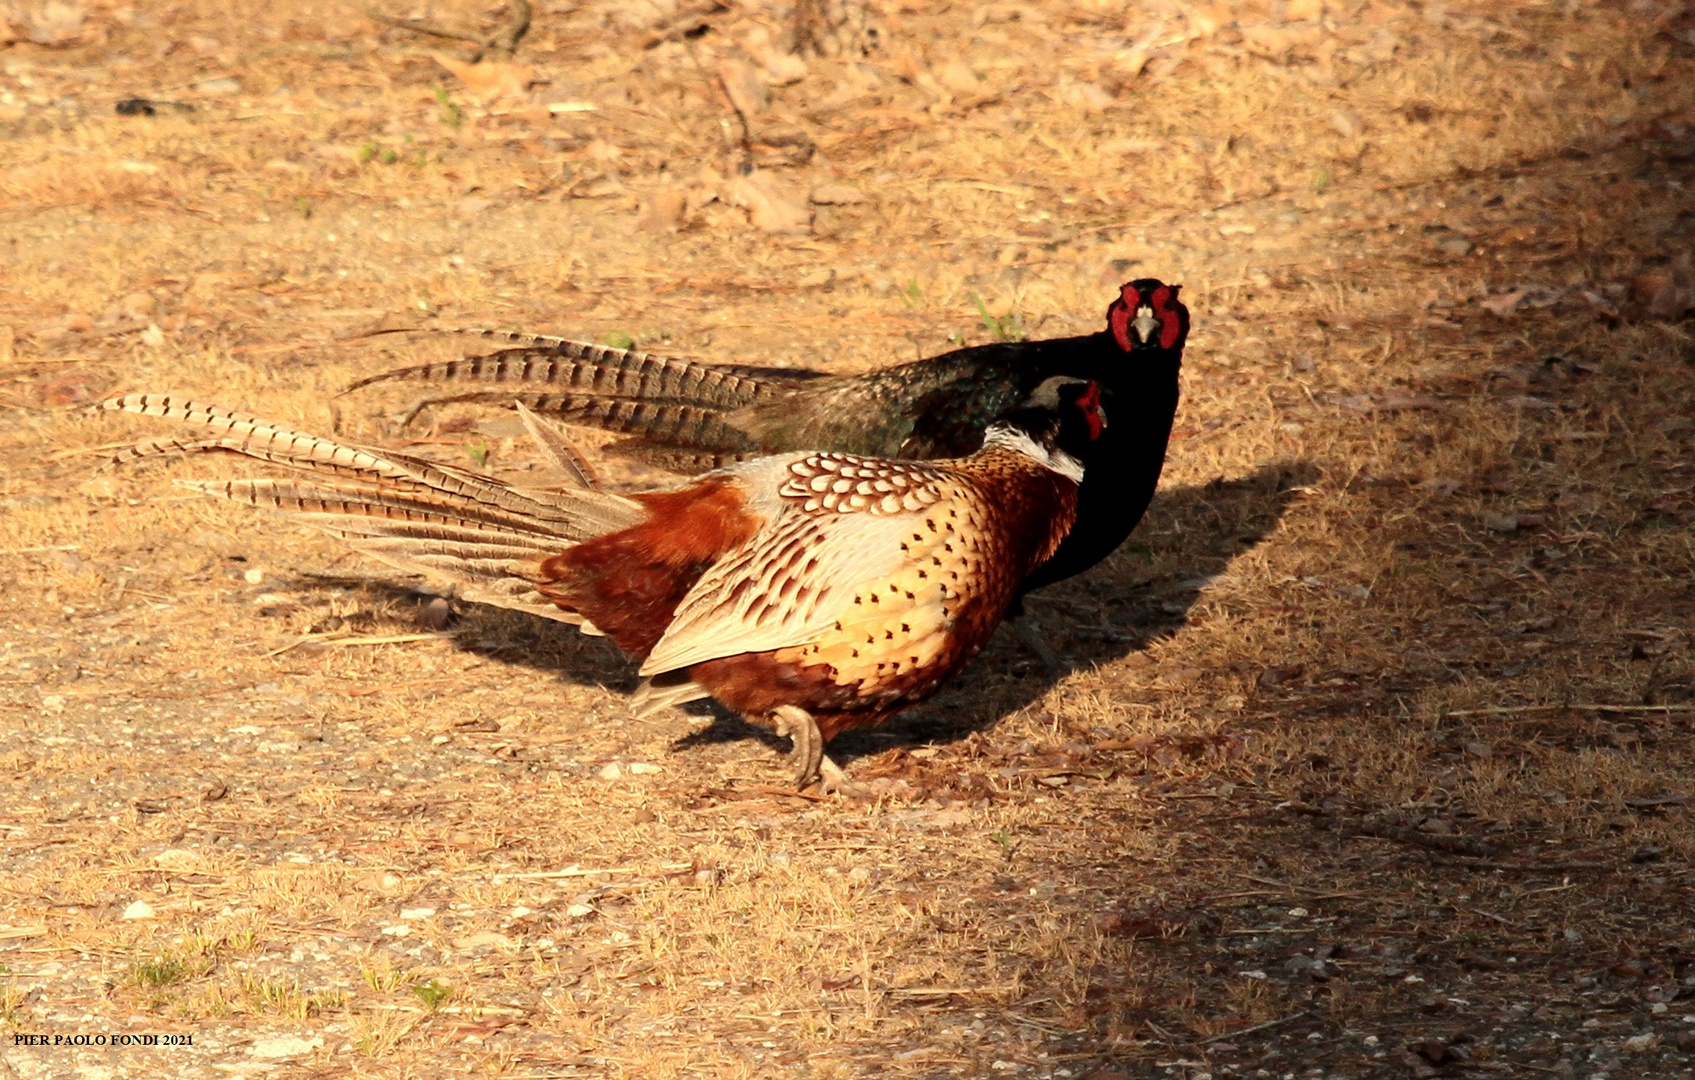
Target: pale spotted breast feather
x=849 y=484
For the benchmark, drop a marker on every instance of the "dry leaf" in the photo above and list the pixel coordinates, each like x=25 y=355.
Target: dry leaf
x=705 y=189
x=489 y=79
x=781 y=68
x=770 y=207
x=1506 y=303
x=747 y=90
x=1209 y=19
x=1131 y=61
x=54 y=23
x=1086 y=97
x=956 y=75
x=836 y=195
x=1669 y=291
x=1277 y=42
x=664 y=210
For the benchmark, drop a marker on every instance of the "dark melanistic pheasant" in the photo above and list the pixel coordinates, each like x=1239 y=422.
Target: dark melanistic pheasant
x=690 y=416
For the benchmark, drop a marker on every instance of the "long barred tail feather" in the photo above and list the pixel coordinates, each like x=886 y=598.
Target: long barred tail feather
x=539 y=360
x=572 y=514
x=703 y=428
x=484 y=535
x=560 y=452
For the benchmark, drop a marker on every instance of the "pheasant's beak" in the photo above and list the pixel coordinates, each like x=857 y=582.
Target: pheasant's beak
x=1145 y=325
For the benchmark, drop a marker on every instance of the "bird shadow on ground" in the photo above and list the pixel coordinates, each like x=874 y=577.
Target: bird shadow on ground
x=1143 y=594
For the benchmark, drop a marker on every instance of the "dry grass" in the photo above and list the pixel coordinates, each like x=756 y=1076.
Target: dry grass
x=1326 y=762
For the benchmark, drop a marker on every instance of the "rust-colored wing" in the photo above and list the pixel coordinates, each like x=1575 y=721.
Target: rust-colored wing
x=846 y=529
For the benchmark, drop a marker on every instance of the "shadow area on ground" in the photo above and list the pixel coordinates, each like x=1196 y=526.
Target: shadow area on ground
x=1142 y=594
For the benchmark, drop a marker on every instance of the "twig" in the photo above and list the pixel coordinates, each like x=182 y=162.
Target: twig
x=741 y=119
x=578 y=871
x=1508 y=710
x=1453 y=845
x=43 y=547
x=503 y=41
x=1534 y=868
x=423 y=26
x=1269 y=1024
x=1310 y=895
x=333 y=640
x=682 y=24
x=1383 y=830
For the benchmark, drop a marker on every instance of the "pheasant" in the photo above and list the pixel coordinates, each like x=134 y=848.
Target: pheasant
x=814 y=590
x=689 y=416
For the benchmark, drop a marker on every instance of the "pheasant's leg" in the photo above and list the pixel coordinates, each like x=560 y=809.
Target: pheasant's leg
x=1031 y=635
x=798 y=725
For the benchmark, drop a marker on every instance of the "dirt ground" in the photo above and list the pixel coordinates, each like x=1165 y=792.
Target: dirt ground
x=1375 y=753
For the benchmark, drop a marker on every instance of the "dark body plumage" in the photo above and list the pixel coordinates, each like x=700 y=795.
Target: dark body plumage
x=690 y=416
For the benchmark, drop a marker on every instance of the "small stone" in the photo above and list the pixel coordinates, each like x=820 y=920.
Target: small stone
x=284 y=1046
x=179 y=859
x=580 y=911
x=837 y=195
x=153 y=337
x=397 y=930
x=642 y=768
x=1305 y=965
x=254 y=576
x=225 y=85
x=1347 y=124
x=485 y=939
x=141 y=909
x=416 y=913
x=436 y=614
x=610 y=771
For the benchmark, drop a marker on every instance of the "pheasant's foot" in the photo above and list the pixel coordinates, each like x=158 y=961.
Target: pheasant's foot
x=1031 y=636
x=833 y=779
x=798 y=725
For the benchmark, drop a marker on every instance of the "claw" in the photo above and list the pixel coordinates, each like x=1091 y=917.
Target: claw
x=832 y=780
x=798 y=725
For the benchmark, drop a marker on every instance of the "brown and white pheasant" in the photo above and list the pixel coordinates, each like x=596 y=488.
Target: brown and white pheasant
x=816 y=591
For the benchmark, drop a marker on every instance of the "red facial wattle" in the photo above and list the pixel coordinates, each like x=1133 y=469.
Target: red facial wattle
x=1170 y=322
x=1090 y=403
x=1118 y=318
